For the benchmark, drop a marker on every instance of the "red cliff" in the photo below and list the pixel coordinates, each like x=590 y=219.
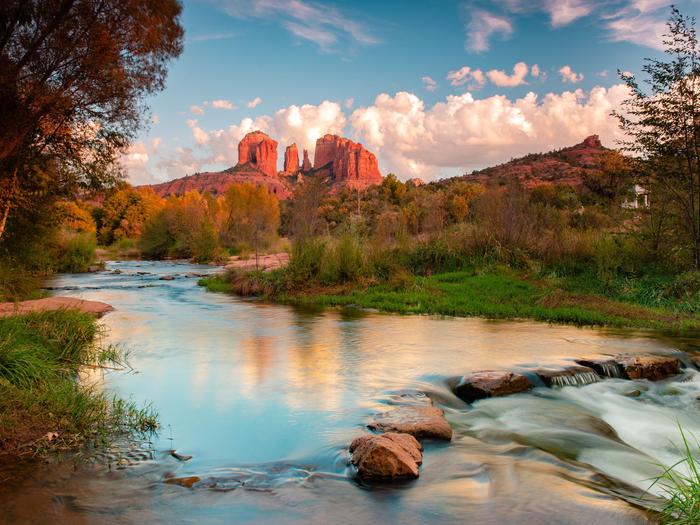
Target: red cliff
x=291 y=159
x=350 y=163
x=258 y=149
x=306 y=166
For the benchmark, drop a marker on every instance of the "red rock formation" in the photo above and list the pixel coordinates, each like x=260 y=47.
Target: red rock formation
x=306 y=166
x=291 y=159
x=350 y=163
x=258 y=149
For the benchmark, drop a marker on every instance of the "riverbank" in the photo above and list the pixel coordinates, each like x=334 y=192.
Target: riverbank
x=497 y=293
x=43 y=405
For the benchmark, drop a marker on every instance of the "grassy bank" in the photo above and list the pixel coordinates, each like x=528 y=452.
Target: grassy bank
x=42 y=405
x=495 y=293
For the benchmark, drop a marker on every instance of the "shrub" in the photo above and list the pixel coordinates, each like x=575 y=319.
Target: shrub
x=77 y=253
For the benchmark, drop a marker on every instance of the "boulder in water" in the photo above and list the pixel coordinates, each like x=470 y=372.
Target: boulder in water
x=604 y=367
x=188 y=481
x=481 y=385
x=386 y=456
x=419 y=421
x=648 y=366
x=569 y=376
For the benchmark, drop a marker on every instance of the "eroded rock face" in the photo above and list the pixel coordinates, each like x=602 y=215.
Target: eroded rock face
x=260 y=150
x=386 y=456
x=291 y=159
x=481 y=385
x=647 y=366
x=604 y=367
x=306 y=164
x=569 y=376
x=418 y=421
x=350 y=163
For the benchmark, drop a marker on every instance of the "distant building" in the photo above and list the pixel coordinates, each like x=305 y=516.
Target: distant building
x=638 y=198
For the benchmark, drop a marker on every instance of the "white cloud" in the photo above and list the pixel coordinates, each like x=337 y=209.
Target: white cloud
x=569 y=75
x=324 y=25
x=196 y=110
x=429 y=84
x=304 y=124
x=200 y=136
x=474 y=78
x=210 y=36
x=254 y=103
x=643 y=29
x=136 y=160
x=468 y=133
x=563 y=12
x=502 y=79
x=602 y=74
x=482 y=26
x=222 y=104
x=535 y=70
x=349 y=102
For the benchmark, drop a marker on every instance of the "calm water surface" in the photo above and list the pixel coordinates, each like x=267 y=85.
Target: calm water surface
x=267 y=399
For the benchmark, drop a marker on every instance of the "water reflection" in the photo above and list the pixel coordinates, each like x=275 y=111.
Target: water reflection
x=245 y=385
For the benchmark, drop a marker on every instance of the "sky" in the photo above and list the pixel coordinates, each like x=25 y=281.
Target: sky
x=434 y=88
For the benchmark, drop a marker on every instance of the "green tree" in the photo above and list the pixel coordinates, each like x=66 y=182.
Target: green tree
x=663 y=122
x=253 y=216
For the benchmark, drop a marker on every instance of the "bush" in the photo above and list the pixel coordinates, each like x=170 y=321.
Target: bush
x=77 y=253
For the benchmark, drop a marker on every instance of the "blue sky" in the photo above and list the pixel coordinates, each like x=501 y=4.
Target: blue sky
x=433 y=88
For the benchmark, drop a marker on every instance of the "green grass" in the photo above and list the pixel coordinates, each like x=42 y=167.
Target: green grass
x=216 y=283
x=42 y=405
x=682 y=491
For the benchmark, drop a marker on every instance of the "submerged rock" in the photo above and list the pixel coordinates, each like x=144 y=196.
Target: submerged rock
x=569 y=376
x=168 y=278
x=481 y=385
x=648 y=366
x=419 y=421
x=605 y=367
x=386 y=456
x=188 y=481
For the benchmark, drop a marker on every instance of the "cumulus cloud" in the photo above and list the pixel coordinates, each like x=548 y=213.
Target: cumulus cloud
x=483 y=26
x=473 y=78
x=502 y=79
x=535 y=70
x=222 y=104
x=569 y=75
x=429 y=84
x=196 y=110
x=330 y=28
x=254 y=103
x=136 y=161
x=349 y=102
x=467 y=133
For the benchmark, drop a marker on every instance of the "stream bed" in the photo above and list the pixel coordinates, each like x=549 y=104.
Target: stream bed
x=267 y=398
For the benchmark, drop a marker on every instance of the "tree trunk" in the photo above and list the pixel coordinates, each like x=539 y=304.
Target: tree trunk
x=3 y=218
x=7 y=201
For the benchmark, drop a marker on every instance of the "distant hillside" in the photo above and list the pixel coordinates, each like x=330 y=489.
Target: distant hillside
x=565 y=166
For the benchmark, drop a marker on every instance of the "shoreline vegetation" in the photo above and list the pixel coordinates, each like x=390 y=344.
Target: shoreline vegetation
x=44 y=406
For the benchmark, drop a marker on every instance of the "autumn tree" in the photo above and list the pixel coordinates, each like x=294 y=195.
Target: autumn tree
x=305 y=219
x=125 y=211
x=73 y=75
x=253 y=216
x=663 y=121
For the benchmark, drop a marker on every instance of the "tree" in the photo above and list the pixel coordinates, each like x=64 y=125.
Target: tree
x=664 y=125
x=305 y=220
x=253 y=216
x=125 y=211
x=73 y=74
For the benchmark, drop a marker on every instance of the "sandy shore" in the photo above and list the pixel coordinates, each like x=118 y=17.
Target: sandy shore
x=96 y=308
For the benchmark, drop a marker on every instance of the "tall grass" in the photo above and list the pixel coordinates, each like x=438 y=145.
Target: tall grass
x=682 y=490
x=41 y=355
x=77 y=253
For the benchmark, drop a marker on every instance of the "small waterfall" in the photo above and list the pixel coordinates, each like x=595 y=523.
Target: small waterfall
x=610 y=370
x=577 y=379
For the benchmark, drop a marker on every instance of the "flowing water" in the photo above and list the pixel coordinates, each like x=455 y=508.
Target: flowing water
x=267 y=398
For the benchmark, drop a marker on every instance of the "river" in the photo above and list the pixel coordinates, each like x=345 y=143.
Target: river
x=267 y=398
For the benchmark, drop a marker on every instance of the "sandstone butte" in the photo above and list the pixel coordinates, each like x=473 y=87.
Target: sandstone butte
x=291 y=159
x=342 y=162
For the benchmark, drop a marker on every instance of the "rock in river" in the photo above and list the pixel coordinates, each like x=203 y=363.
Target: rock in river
x=569 y=376
x=419 y=421
x=386 y=456
x=647 y=366
x=480 y=385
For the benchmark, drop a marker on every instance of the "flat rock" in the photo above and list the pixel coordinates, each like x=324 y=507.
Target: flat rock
x=569 y=376
x=481 y=385
x=386 y=456
x=96 y=308
x=418 y=421
x=648 y=366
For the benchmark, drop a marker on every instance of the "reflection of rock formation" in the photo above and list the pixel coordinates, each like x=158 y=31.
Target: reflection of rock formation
x=258 y=149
